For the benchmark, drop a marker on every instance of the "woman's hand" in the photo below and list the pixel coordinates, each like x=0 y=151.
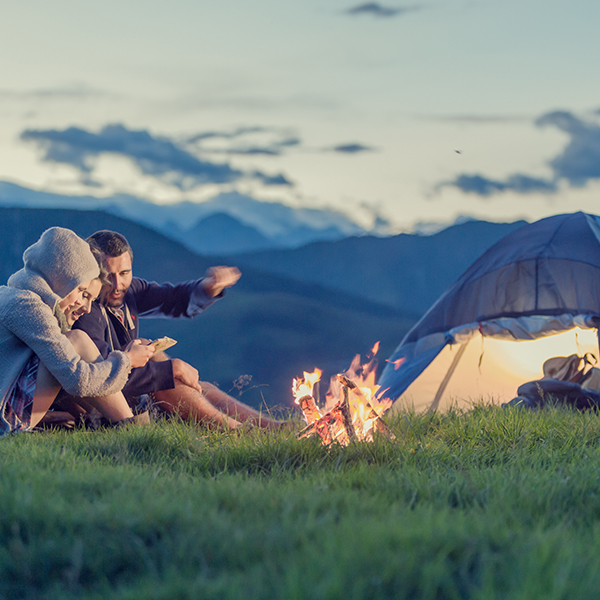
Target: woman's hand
x=139 y=353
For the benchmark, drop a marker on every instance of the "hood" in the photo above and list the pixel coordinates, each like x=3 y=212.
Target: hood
x=55 y=265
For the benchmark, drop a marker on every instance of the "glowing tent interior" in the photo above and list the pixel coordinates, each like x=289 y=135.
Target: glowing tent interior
x=533 y=295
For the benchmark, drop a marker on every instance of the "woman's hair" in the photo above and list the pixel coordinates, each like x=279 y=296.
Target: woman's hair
x=104 y=275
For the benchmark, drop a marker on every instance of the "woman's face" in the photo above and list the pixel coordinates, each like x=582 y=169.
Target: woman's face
x=79 y=301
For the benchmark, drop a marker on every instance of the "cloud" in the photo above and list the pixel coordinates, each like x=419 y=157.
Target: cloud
x=577 y=164
x=273 y=180
x=76 y=91
x=228 y=135
x=476 y=119
x=157 y=156
x=353 y=148
x=482 y=186
x=292 y=141
x=251 y=150
x=276 y=143
x=89 y=182
x=273 y=149
x=378 y=10
x=260 y=141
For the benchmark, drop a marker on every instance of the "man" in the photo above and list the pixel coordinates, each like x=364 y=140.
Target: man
x=113 y=325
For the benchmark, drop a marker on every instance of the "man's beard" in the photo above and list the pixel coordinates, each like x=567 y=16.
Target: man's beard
x=113 y=302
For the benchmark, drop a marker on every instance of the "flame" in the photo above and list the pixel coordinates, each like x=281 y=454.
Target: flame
x=303 y=395
x=352 y=409
x=304 y=386
x=396 y=363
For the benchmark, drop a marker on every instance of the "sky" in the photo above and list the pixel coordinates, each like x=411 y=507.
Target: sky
x=397 y=114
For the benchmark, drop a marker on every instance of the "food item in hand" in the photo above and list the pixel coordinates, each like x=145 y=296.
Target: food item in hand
x=162 y=344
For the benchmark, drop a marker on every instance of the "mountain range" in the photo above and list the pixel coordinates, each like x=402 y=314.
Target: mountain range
x=407 y=272
x=247 y=223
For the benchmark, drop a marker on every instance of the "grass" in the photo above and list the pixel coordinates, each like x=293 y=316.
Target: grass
x=488 y=504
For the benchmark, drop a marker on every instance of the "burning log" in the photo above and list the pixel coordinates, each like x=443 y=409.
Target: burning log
x=355 y=410
x=345 y=409
x=309 y=409
x=330 y=427
x=378 y=422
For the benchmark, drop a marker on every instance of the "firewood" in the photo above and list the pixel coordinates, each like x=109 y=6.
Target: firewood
x=379 y=423
x=330 y=427
x=382 y=427
x=345 y=410
x=309 y=409
x=320 y=427
x=350 y=384
x=337 y=425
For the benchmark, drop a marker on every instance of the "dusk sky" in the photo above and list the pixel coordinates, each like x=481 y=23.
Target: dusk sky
x=392 y=113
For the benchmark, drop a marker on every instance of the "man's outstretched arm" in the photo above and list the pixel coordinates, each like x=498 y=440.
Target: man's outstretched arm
x=186 y=299
x=219 y=278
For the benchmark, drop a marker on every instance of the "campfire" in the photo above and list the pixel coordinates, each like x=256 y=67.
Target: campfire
x=352 y=411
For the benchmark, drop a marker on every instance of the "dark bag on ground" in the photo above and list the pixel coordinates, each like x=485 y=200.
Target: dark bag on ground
x=566 y=382
x=553 y=392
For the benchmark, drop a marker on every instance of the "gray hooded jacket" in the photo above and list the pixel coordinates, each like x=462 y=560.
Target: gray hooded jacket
x=54 y=266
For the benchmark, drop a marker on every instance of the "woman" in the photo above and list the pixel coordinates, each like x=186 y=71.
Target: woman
x=36 y=359
x=71 y=313
x=66 y=409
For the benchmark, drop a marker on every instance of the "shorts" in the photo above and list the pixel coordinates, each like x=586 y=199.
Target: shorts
x=19 y=398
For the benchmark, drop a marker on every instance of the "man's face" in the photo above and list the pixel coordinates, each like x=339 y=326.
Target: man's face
x=120 y=275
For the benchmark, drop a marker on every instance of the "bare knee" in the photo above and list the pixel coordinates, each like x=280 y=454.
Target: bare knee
x=208 y=387
x=78 y=338
x=83 y=345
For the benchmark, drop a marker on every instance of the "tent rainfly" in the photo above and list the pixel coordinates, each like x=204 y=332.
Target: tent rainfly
x=533 y=295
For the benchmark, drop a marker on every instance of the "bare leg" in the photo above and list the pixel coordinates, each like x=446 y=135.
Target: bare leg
x=212 y=405
x=234 y=408
x=191 y=405
x=46 y=389
x=114 y=407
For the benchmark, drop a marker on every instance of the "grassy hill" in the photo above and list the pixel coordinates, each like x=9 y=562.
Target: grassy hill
x=268 y=326
x=495 y=504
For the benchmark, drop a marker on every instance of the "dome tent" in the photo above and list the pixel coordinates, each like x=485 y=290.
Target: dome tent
x=533 y=295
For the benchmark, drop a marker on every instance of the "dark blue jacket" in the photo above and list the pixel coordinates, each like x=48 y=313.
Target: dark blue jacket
x=144 y=299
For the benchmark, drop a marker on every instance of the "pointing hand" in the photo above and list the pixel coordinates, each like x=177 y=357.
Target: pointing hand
x=219 y=278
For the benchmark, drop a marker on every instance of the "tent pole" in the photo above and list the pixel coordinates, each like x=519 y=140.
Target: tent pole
x=445 y=381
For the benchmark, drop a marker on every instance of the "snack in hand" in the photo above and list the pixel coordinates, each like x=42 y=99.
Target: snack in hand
x=162 y=344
